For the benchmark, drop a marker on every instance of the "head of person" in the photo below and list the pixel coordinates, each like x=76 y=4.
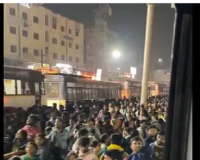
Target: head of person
x=116 y=139
x=71 y=156
x=127 y=132
x=83 y=133
x=92 y=132
x=47 y=131
x=59 y=123
x=91 y=122
x=160 y=139
x=31 y=149
x=117 y=108
x=96 y=146
x=105 y=139
x=105 y=108
x=136 y=144
x=134 y=133
x=72 y=122
x=125 y=124
x=40 y=139
x=84 y=143
x=132 y=123
x=152 y=131
x=21 y=135
x=113 y=155
x=49 y=124
x=32 y=120
x=143 y=123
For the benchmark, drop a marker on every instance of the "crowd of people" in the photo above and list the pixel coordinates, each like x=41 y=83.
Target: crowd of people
x=88 y=130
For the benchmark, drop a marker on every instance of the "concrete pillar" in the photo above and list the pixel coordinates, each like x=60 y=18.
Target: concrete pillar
x=147 y=48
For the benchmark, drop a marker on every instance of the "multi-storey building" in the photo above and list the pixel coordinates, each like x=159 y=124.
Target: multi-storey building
x=32 y=32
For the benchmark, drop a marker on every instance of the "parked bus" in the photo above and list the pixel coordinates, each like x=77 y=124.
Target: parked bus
x=63 y=87
x=23 y=87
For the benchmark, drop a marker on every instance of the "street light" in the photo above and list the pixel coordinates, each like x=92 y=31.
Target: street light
x=160 y=60
x=116 y=54
x=118 y=69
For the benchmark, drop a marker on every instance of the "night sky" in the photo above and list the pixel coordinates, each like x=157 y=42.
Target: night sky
x=129 y=21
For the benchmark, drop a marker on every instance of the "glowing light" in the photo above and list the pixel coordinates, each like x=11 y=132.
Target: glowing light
x=116 y=54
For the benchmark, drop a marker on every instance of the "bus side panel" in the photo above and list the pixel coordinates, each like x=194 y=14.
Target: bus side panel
x=19 y=101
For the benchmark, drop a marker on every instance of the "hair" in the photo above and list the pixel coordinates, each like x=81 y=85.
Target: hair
x=41 y=135
x=32 y=143
x=94 y=144
x=136 y=139
x=152 y=127
x=23 y=133
x=83 y=132
x=84 y=142
x=71 y=153
x=116 y=139
x=34 y=117
x=91 y=120
x=161 y=133
x=49 y=124
x=114 y=154
x=134 y=133
x=103 y=138
x=126 y=124
x=92 y=131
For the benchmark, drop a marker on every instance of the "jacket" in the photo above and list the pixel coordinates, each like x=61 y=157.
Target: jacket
x=44 y=152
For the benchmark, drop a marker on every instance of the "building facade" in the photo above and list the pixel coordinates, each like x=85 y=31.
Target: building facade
x=34 y=34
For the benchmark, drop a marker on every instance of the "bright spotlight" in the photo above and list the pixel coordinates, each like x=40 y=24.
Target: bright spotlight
x=116 y=54
x=159 y=60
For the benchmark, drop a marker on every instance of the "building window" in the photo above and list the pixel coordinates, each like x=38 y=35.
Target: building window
x=62 y=43
x=12 y=30
x=46 y=51
x=25 y=51
x=12 y=11
x=46 y=20
x=77 y=60
x=54 y=23
x=36 y=52
x=24 y=33
x=46 y=36
x=13 y=48
x=69 y=31
x=54 y=40
x=35 y=19
x=77 y=33
x=24 y=16
x=70 y=45
x=62 y=57
x=62 y=29
x=36 y=36
x=77 y=47
x=70 y=58
x=54 y=55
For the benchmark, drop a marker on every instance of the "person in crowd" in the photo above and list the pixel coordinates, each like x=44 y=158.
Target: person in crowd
x=127 y=138
x=31 y=126
x=116 y=144
x=105 y=142
x=91 y=125
x=58 y=137
x=15 y=158
x=44 y=147
x=152 y=132
x=47 y=131
x=20 y=140
x=31 y=150
x=96 y=146
x=142 y=129
x=107 y=127
x=84 y=152
x=71 y=156
x=82 y=133
x=157 y=147
x=102 y=113
x=92 y=136
x=113 y=155
x=71 y=129
x=138 y=150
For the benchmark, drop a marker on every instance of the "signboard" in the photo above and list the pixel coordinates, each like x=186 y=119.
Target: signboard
x=88 y=75
x=47 y=70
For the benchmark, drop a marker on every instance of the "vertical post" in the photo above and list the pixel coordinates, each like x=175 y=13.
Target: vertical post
x=42 y=61
x=147 y=47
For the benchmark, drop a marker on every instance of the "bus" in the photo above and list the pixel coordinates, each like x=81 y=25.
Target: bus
x=23 y=87
x=62 y=87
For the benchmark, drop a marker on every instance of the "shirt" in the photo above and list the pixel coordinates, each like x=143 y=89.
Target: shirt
x=28 y=158
x=32 y=130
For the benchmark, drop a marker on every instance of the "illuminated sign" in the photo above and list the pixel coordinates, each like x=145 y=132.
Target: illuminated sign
x=27 y=5
x=47 y=70
x=88 y=75
x=127 y=75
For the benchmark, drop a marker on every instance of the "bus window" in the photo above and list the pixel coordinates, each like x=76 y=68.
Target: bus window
x=9 y=86
x=37 y=89
x=23 y=87
x=42 y=88
x=52 y=90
